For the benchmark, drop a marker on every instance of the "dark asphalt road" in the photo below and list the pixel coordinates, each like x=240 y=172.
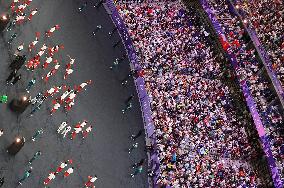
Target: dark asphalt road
x=104 y=152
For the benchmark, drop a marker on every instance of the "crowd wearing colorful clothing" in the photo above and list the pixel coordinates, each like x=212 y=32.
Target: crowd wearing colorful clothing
x=250 y=70
x=267 y=19
x=200 y=139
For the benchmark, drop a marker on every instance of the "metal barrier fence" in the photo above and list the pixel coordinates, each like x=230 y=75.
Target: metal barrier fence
x=250 y=103
x=262 y=53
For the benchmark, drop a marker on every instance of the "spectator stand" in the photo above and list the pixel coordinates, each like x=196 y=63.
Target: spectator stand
x=261 y=51
x=250 y=103
x=153 y=161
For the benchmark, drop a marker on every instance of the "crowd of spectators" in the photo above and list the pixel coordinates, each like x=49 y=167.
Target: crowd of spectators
x=201 y=140
x=250 y=69
x=267 y=18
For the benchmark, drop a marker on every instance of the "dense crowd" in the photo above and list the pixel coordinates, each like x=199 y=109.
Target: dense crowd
x=201 y=140
x=267 y=18
x=249 y=70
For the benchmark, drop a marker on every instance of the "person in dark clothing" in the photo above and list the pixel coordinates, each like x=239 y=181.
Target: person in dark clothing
x=98 y=4
x=138 y=170
x=140 y=163
x=1 y=181
x=83 y=6
x=124 y=56
x=11 y=76
x=125 y=80
x=12 y=37
x=149 y=148
x=129 y=99
x=134 y=137
x=18 y=62
x=116 y=44
x=112 y=31
x=16 y=79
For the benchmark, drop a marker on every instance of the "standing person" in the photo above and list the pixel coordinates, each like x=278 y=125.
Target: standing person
x=99 y=27
x=115 y=63
x=82 y=85
x=39 y=103
x=138 y=170
x=127 y=107
x=134 y=137
x=11 y=76
x=36 y=155
x=87 y=131
x=64 y=95
x=41 y=51
x=141 y=162
x=1 y=181
x=20 y=18
x=34 y=110
x=50 y=177
x=52 y=91
x=83 y=6
x=30 y=84
x=91 y=181
x=33 y=12
x=125 y=80
x=51 y=30
x=56 y=106
x=11 y=24
x=68 y=172
x=65 y=131
x=135 y=145
x=38 y=132
x=51 y=72
x=116 y=44
x=123 y=57
x=68 y=69
x=129 y=99
x=54 y=49
x=78 y=128
x=12 y=37
x=62 y=126
x=35 y=100
x=26 y=175
x=71 y=97
x=32 y=44
x=69 y=106
x=128 y=103
x=48 y=61
x=1 y=132
x=61 y=167
x=112 y=31
x=98 y=4
x=16 y=79
x=19 y=49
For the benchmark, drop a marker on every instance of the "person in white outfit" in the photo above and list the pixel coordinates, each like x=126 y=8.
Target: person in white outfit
x=62 y=126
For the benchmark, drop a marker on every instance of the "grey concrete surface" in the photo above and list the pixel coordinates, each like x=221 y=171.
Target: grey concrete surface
x=104 y=151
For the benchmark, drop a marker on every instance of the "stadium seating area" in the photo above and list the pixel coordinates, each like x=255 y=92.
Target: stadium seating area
x=201 y=141
x=250 y=70
x=267 y=18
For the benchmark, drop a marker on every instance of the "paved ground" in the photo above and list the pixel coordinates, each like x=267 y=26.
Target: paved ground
x=103 y=153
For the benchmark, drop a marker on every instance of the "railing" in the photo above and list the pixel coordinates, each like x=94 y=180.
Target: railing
x=250 y=103
x=141 y=90
x=262 y=54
